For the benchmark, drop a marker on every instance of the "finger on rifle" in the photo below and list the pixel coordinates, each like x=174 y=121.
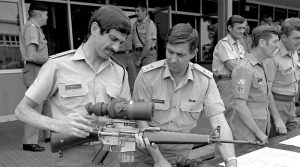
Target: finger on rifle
x=79 y=133
x=147 y=142
x=139 y=141
x=79 y=118
x=82 y=127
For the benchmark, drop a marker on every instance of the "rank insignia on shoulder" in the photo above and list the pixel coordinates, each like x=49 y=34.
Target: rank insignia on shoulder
x=202 y=69
x=62 y=54
x=153 y=66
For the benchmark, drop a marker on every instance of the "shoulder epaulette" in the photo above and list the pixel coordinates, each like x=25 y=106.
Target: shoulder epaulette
x=203 y=70
x=62 y=54
x=153 y=66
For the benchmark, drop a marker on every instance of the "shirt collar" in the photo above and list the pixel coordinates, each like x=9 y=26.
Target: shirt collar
x=252 y=59
x=35 y=23
x=282 y=51
x=231 y=40
x=189 y=75
x=144 y=21
x=79 y=54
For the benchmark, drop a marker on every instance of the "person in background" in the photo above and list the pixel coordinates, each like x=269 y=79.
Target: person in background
x=227 y=54
x=34 y=50
x=144 y=37
x=252 y=96
x=284 y=70
x=246 y=41
x=266 y=20
x=180 y=91
x=72 y=79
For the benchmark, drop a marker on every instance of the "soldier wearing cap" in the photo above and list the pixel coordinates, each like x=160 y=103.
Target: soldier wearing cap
x=284 y=69
x=251 y=90
x=227 y=54
x=181 y=91
x=144 y=37
x=34 y=50
x=72 y=79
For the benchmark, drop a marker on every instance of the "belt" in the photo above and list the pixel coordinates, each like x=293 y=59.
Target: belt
x=284 y=98
x=124 y=52
x=226 y=76
x=141 y=48
x=33 y=63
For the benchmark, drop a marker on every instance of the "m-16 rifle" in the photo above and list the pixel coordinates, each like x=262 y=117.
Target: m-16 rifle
x=122 y=139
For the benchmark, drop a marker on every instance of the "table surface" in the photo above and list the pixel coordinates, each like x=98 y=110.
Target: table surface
x=273 y=143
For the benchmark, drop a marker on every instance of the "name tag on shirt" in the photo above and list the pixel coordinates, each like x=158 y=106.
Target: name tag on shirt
x=158 y=101
x=73 y=86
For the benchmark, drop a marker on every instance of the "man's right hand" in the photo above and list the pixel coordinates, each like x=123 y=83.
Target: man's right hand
x=263 y=138
x=73 y=124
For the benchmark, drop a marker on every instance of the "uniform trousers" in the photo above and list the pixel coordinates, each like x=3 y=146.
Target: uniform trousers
x=149 y=58
x=225 y=89
x=127 y=60
x=31 y=134
x=287 y=112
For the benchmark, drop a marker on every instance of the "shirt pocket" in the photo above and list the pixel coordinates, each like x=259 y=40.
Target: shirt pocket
x=112 y=92
x=259 y=91
x=161 y=112
x=43 y=44
x=67 y=90
x=190 y=112
x=287 y=76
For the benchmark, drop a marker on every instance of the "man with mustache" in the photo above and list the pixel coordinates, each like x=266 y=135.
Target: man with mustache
x=284 y=70
x=72 y=79
x=252 y=96
x=181 y=92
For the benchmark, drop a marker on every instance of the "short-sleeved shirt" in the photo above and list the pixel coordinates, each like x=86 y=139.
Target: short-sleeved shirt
x=69 y=83
x=226 y=49
x=250 y=83
x=177 y=108
x=33 y=34
x=284 y=71
x=146 y=30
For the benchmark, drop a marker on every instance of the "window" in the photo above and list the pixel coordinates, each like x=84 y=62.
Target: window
x=161 y=3
x=209 y=6
x=251 y=11
x=292 y=13
x=188 y=6
x=266 y=11
x=209 y=38
x=10 y=56
x=280 y=14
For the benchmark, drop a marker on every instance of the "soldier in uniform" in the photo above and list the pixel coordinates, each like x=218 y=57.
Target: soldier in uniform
x=284 y=69
x=251 y=118
x=144 y=38
x=72 y=79
x=227 y=54
x=180 y=91
x=34 y=50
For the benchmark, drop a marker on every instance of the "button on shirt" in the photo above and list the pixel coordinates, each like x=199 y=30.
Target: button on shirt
x=146 y=30
x=177 y=108
x=70 y=83
x=284 y=71
x=250 y=83
x=33 y=34
x=226 y=49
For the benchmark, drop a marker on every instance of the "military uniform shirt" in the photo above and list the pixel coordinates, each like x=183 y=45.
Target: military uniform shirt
x=33 y=34
x=147 y=30
x=70 y=83
x=284 y=71
x=250 y=83
x=177 y=108
x=226 y=49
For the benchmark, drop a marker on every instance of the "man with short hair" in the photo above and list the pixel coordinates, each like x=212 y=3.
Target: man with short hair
x=227 y=54
x=252 y=96
x=34 y=50
x=181 y=91
x=144 y=37
x=72 y=79
x=284 y=70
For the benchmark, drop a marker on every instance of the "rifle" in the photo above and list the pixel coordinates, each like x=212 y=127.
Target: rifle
x=123 y=139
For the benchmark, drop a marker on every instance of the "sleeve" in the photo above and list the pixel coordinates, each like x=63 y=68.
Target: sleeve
x=141 y=89
x=213 y=103
x=125 y=90
x=151 y=32
x=225 y=51
x=241 y=82
x=270 y=67
x=31 y=35
x=44 y=86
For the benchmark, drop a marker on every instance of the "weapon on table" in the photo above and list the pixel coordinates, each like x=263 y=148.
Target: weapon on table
x=122 y=139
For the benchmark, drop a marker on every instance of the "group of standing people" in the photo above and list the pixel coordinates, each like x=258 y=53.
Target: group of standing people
x=259 y=88
x=180 y=90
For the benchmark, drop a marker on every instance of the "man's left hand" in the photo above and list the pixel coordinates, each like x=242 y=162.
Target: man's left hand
x=280 y=127
x=231 y=163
